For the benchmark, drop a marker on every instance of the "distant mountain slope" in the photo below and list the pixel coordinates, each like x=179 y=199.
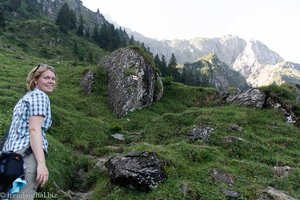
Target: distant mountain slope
x=284 y=72
x=253 y=59
x=210 y=71
x=227 y=48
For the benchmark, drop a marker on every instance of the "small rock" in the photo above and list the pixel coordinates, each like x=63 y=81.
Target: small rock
x=199 y=133
x=281 y=171
x=231 y=194
x=236 y=127
x=272 y=193
x=231 y=139
x=224 y=177
x=118 y=136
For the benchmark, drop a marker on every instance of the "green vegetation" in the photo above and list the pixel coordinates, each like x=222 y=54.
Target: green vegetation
x=129 y=71
x=83 y=125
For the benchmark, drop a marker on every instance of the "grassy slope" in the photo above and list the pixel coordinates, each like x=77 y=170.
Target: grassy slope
x=84 y=123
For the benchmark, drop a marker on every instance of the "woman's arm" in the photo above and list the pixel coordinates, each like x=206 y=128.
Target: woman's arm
x=35 y=124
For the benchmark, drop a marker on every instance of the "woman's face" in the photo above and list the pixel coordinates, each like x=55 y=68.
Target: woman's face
x=46 y=82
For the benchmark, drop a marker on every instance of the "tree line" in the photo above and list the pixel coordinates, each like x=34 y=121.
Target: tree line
x=105 y=36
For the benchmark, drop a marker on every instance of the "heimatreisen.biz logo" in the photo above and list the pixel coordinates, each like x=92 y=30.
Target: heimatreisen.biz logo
x=3 y=195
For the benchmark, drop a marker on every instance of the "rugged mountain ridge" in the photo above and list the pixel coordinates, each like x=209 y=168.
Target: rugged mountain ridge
x=253 y=59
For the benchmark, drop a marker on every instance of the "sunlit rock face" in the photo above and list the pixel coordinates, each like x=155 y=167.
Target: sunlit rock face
x=254 y=58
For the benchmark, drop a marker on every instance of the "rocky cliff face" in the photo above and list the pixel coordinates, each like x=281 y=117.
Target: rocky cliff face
x=227 y=48
x=253 y=59
x=132 y=81
x=51 y=7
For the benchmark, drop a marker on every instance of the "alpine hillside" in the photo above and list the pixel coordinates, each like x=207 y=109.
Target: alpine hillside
x=125 y=126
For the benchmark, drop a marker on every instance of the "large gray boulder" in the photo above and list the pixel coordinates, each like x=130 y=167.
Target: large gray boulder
x=141 y=170
x=131 y=82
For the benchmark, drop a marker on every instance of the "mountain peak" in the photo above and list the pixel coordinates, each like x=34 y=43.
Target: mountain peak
x=254 y=57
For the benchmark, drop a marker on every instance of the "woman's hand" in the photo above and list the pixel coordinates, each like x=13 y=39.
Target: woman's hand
x=42 y=174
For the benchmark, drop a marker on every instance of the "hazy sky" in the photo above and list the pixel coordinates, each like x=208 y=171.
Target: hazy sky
x=276 y=23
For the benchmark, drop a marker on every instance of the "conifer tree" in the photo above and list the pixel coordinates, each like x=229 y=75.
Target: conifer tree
x=157 y=61
x=62 y=18
x=184 y=77
x=96 y=35
x=66 y=19
x=159 y=64
x=104 y=37
x=163 y=65
x=80 y=29
x=172 y=69
x=187 y=76
x=78 y=52
x=87 y=33
x=131 y=41
x=113 y=38
x=90 y=57
x=14 y=5
x=72 y=20
x=2 y=19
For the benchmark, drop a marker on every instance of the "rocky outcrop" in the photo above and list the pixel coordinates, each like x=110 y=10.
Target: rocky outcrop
x=286 y=109
x=255 y=97
x=251 y=97
x=132 y=80
x=141 y=170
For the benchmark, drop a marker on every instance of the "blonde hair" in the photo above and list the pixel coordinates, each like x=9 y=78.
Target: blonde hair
x=35 y=73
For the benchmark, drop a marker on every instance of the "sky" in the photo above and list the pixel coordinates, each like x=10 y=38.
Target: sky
x=276 y=23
